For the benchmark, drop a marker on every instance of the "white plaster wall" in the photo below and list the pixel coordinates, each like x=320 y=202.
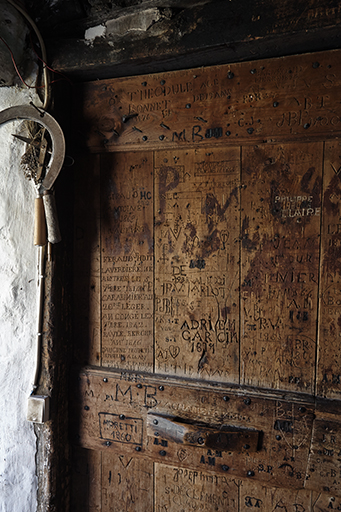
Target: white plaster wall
x=18 y=306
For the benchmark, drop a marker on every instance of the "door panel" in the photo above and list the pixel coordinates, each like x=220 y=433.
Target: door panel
x=280 y=230
x=207 y=298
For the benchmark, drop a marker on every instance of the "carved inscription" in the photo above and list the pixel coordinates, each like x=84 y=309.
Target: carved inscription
x=182 y=489
x=121 y=430
x=281 y=201
x=329 y=347
x=127 y=262
x=324 y=461
x=196 y=258
x=280 y=99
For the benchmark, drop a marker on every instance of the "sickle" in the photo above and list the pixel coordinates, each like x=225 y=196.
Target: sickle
x=57 y=137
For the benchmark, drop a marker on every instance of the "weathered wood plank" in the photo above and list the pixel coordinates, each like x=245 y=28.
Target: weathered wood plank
x=270 y=100
x=197 y=263
x=113 y=418
x=329 y=347
x=127 y=483
x=281 y=212
x=185 y=37
x=127 y=271
x=87 y=262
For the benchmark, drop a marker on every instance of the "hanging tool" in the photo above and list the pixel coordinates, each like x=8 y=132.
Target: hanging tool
x=44 y=202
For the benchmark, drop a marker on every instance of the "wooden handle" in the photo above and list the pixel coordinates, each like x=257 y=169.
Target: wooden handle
x=53 y=231
x=39 y=223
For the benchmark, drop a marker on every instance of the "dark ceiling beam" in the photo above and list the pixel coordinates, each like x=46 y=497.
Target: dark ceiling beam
x=220 y=31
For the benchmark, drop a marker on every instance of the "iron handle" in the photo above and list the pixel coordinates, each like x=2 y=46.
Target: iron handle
x=226 y=438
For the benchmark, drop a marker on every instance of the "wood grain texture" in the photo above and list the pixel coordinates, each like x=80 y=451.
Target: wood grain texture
x=127 y=270
x=329 y=351
x=271 y=100
x=197 y=201
x=280 y=229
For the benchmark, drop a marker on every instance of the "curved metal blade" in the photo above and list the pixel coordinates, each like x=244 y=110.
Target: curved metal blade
x=57 y=137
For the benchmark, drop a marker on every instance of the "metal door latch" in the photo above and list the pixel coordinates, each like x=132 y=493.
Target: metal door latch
x=225 y=438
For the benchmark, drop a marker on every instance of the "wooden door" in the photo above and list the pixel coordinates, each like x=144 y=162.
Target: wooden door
x=207 y=298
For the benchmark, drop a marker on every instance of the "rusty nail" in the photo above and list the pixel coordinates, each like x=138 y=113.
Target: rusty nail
x=230 y=74
x=224 y=467
x=129 y=116
x=163 y=453
x=316 y=65
x=86 y=407
x=105 y=379
x=138 y=448
x=250 y=473
x=144 y=137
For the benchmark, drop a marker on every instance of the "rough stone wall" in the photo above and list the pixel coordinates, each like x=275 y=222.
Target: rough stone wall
x=18 y=306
